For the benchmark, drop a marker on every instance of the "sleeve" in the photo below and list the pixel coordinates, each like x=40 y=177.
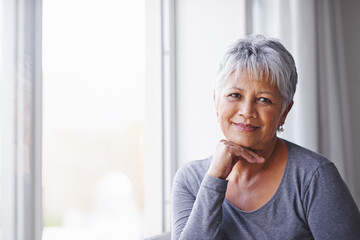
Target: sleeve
x=331 y=211
x=200 y=216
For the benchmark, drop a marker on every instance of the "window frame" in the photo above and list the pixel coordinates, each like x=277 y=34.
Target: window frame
x=160 y=163
x=20 y=158
x=23 y=200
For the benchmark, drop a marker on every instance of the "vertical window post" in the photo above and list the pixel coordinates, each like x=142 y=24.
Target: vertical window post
x=168 y=105
x=20 y=144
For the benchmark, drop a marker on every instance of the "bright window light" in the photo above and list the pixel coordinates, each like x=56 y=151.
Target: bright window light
x=93 y=119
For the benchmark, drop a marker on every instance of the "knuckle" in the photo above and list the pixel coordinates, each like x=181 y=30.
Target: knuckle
x=227 y=148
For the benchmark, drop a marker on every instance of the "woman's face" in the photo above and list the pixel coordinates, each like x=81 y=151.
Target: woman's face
x=250 y=111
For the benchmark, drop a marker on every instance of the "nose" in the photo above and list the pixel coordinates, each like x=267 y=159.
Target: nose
x=247 y=109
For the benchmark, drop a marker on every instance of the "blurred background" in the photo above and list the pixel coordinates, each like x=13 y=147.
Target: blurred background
x=102 y=101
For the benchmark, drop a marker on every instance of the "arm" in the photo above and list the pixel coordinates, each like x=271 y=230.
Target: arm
x=197 y=217
x=331 y=210
x=198 y=214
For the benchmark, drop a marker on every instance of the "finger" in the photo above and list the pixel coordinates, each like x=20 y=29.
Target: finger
x=249 y=155
x=255 y=156
x=258 y=158
x=243 y=153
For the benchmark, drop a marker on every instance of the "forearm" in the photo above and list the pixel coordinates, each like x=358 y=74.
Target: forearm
x=203 y=221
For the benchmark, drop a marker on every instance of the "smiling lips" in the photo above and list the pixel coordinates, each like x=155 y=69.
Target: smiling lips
x=245 y=127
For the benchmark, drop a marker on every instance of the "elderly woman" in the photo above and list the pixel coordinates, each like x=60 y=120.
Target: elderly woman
x=256 y=185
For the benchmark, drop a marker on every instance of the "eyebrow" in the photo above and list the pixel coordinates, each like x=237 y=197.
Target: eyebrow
x=240 y=89
x=266 y=92
x=261 y=92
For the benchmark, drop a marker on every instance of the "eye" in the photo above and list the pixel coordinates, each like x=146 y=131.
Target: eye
x=235 y=95
x=265 y=100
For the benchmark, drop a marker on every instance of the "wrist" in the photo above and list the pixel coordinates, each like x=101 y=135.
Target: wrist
x=216 y=174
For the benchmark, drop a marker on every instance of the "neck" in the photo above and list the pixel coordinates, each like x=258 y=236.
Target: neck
x=268 y=151
x=246 y=170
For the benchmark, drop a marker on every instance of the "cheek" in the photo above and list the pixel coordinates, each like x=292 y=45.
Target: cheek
x=226 y=109
x=226 y=115
x=271 y=119
x=274 y=121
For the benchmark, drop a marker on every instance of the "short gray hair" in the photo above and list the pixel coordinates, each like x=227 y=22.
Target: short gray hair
x=261 y=58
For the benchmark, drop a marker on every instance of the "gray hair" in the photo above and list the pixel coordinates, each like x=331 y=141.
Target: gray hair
x=261 y=58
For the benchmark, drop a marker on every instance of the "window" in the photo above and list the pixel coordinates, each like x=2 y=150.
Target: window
x=95 y=113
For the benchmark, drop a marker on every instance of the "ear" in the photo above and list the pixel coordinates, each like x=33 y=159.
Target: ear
x=285 y=113
x=215 y=101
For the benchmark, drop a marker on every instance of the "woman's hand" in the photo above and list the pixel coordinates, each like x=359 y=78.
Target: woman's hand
x=226 y=155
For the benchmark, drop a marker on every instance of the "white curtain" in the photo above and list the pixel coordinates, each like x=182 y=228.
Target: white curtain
x=320 y=118
x=20 y=120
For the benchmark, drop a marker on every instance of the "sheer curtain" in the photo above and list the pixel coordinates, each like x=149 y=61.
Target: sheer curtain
x=320 y=118
x=20 y=135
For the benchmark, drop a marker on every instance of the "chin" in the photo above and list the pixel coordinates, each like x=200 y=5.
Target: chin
x=244 y=142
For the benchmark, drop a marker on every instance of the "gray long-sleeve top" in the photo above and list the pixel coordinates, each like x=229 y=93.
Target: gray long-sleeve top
x=311 y=202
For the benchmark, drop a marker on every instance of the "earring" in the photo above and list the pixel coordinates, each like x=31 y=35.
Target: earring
x=281 y=129
x=217 y=118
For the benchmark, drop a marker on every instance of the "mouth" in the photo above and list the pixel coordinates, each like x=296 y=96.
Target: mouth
x=246 y=127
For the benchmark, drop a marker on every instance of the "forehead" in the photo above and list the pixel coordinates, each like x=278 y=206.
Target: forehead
x=246 y=80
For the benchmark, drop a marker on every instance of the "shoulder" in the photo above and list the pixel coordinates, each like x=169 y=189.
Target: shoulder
x=194 y=170
x=303 y=165
x=304 y=159
x=191 y=174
